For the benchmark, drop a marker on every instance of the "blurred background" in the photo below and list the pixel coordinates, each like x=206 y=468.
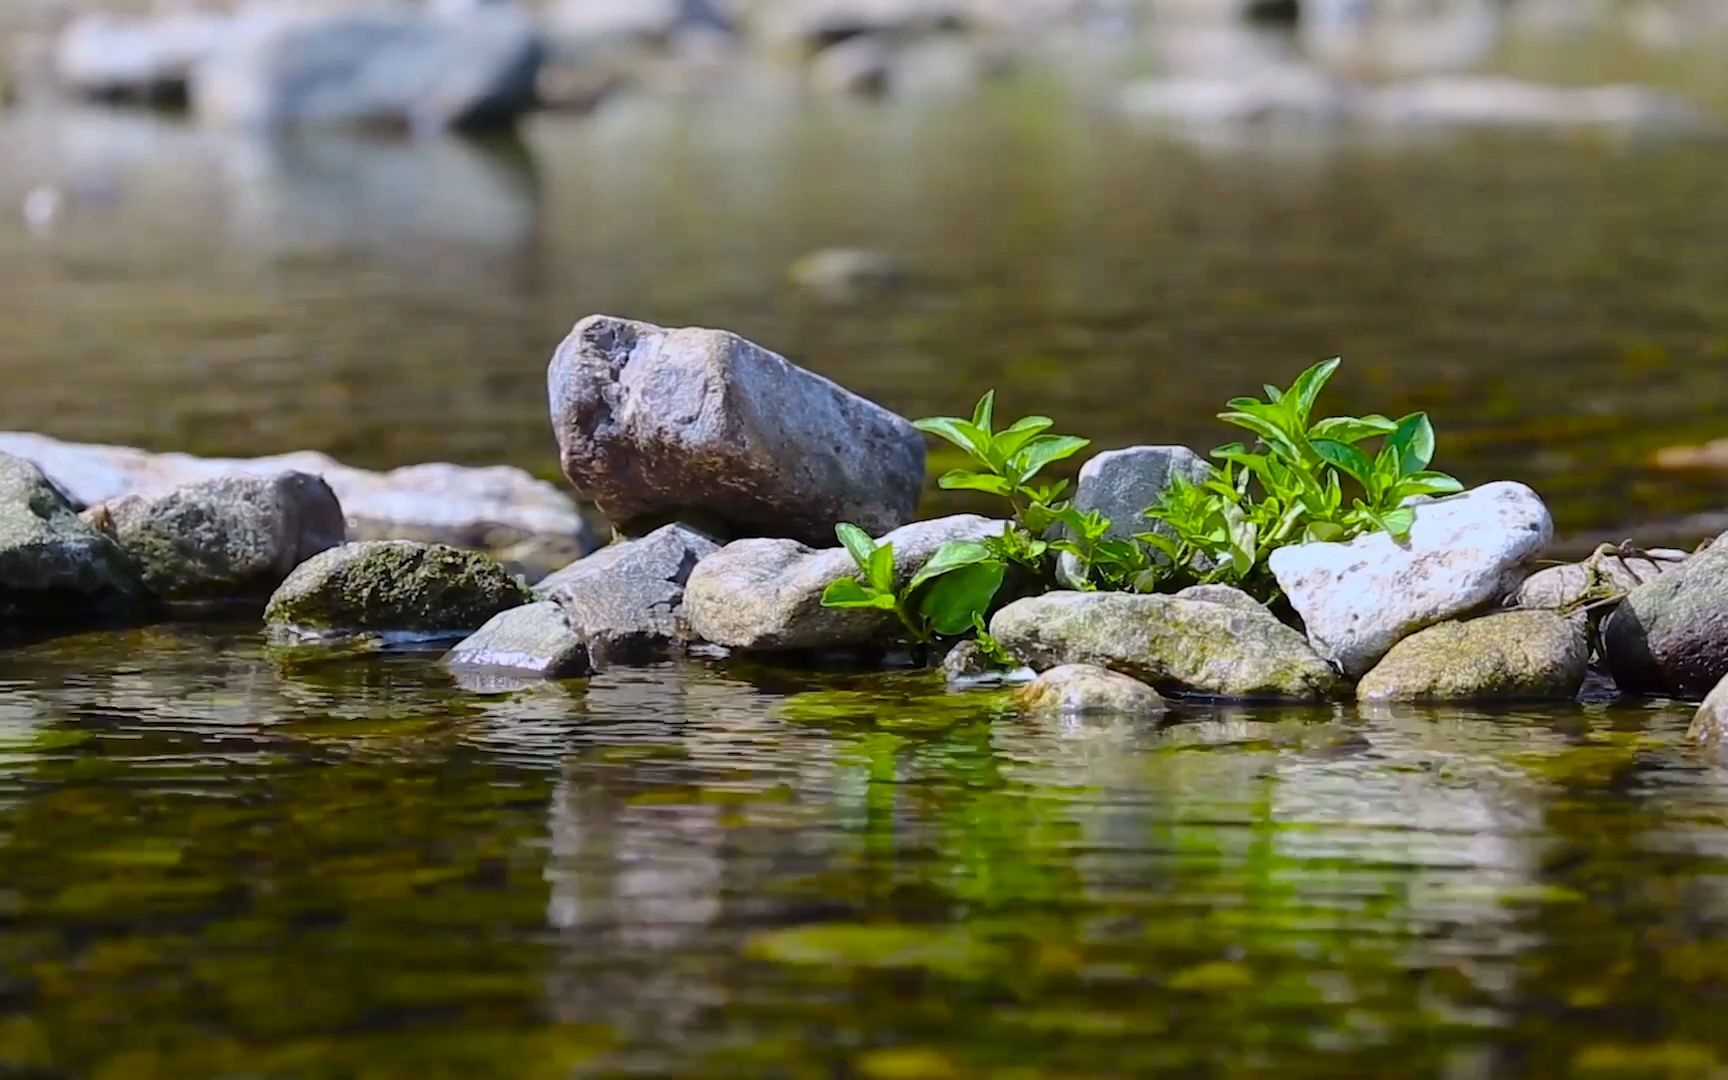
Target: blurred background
x=362 y=228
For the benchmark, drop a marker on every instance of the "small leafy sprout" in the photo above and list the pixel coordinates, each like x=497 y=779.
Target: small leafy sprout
x=1113 y=564
x=946 y=597
x=1007 y=461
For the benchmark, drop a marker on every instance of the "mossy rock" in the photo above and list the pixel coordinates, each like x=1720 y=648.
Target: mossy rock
x=55 y=568
x=394 y=585
x=1516 y=655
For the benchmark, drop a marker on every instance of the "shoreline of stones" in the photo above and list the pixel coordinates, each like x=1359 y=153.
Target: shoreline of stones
x=727 y=466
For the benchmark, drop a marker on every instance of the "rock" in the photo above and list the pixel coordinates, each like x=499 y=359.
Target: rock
x=1227 y=595
x=1175 y=645
x=967 y=666
x=578 y=26
x=231 y=538
x=1276 y=94
x=393 y=586
x=860 y=66
x=1465 y=551
x=1122 y=485
x=628 y=599
x=534 y=639
x=1710 y=723
x=145 y=60
x=435 y=503
x=55 y=568
x=846 y=275
x=1084 y=688
x=1493 y=101
x=1670 y=635
x=1587 y=591
x=699 y=425
x=391 y=67
x=1514 y=655
x=766 y=594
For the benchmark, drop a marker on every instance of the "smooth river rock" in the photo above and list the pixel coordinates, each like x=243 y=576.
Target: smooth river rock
x=1228 y=595
x=1360 y=598
x=55 y=568
x=1085 y=688
x=1122 y=485
x=534 y=639
x=766 y=594
x=1515 y=655
x=234 y=538
x=1710 y=724
x=393 y=586
x=658 y=424
x=437 y=503
x=1670 y=635
x=1185 y=646
x=1588 y=591
x=628 y=599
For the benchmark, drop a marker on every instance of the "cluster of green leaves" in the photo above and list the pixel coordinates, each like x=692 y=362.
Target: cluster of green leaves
x=1289 y=488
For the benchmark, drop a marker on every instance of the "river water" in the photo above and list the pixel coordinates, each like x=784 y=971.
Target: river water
x=215 y=861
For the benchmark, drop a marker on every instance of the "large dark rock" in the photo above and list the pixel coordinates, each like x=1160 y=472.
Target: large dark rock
x=232 y=538
x=55 y=568
x=1670 y=635
x=393 y=586
x=627 y=600
x=657 y=425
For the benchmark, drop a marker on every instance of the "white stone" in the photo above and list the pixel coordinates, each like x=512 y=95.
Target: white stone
x=1358 y=599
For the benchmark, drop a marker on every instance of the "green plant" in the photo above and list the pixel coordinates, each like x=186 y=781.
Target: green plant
x=1008 y=461
x=946 y=597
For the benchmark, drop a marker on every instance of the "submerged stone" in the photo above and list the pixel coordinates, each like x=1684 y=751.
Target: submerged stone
x=1086 y=688
x=628 y=599
x=393 y=585
x=231 y=538
x=55 y=568
x=533 y=639
x=1188 y=646
x=1670 y=635
x=1360 y=598
x=766 y=594
x=659 y=424
x=1514 y=655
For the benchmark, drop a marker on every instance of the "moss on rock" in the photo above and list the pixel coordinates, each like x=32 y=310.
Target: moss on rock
x=394 y=585
x=1516 y=655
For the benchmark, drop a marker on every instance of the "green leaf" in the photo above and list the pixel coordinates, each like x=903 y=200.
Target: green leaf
x=966 y=480
x=1042 y=451
x=1018 y=434
x=1413 y=442
x=847 y=593
x=1398 y=522
x=1243 y=539
x=984 y=415
x=1346 y=457
x=1322 y=531
x=1273 y=394
x=1271 y=431
x=1424 y=483
x=857 y=543
x=959 y=432
x=957 y=600
x=949 y=557
x=881 y=571
x=1306 y=389
x=1352 y=429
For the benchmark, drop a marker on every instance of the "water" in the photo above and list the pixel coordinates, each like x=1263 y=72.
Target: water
x=215 y=861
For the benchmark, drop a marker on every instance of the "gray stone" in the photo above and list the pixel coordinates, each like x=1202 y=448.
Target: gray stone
x=1464 y=552
x=1227 y=595
x=394 y=586
x=846 y=275
x=227 y=539
x=55 y=568
x=534 y=639
x=394 y=67
x=700 y=425
x=1671 y=635
x=1514 y=655
x=147 y=60
x=1189 y=646
x=1710 y=724
x=1122 y=485
x=1587 y=591
x=435 y=503
x=628 y=599
x=766 y=594
x=1085 y=688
